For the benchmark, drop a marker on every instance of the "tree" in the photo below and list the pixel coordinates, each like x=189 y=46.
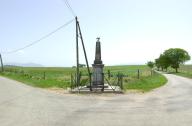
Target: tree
x=176 y=57
x=164 y=62
x=82 y=65
x=157 y=63
x=150 y=64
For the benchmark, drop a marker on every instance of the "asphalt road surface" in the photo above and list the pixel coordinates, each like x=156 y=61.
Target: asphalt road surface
x=170 y=105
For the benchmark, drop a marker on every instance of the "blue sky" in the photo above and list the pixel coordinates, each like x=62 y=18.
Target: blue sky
x=131 y=31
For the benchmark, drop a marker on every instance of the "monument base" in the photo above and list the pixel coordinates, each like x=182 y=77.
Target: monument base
x=107 y=89
x=97 y=76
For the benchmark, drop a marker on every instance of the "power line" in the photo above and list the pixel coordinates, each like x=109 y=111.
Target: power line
x=69 y=7
x=38 y=40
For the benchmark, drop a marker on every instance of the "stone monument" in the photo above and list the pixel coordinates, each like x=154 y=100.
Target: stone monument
x=98 y=75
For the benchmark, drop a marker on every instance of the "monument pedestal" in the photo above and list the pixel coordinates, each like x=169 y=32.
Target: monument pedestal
x=98 y=76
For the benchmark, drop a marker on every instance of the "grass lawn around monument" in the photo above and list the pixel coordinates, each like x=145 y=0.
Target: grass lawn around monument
x=147 y=83
x=60 y=77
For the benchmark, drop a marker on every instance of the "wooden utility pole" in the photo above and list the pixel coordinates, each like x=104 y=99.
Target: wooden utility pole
x=77 y=52
x=79 y=34
x=2 y=69
x=85 y=54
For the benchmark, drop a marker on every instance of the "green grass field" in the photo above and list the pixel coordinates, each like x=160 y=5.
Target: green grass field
x=60 y=77
x=184 y=70
x=147 y=83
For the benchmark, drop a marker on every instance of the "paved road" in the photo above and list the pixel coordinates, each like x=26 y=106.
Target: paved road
x=170 y=105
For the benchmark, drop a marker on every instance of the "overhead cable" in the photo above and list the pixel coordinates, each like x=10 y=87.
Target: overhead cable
x=69 y=7
x=42 y=38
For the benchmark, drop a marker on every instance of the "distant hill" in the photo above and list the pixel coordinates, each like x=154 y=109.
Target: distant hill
x=24 y=64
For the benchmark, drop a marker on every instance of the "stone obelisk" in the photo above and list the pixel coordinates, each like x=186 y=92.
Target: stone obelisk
x=98 y=76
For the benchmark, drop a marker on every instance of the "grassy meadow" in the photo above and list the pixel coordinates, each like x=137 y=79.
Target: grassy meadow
x=184 y=70
x=60 y=77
